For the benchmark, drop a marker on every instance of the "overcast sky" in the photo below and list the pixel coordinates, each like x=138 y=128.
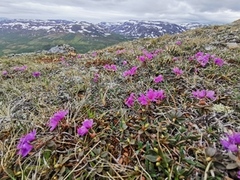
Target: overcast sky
x=175 y=11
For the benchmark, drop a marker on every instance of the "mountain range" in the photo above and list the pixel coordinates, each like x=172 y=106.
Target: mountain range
x=20 y=35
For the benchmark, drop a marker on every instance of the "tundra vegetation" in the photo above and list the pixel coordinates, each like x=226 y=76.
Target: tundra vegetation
x=163 y=108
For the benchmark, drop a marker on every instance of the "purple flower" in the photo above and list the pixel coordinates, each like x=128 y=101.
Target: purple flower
x=200 y=94
x=4 y=73
x=124 y=62
x=177 y=71
x=158 y=79
x=87 y=123
x=111 y=67
x=130 y=100
x=94 y=54
x=218 y=62
x=96 y=77
x=231 y=142
x=21 y=68
x=79 y=56
x=130 y=72
x=24 y=145
x=178 y=43
x=202 y=58
x=160 y=95
x=82 y=130
x=58 y=116
x=36 y=74
x=210 y=95
x=151 y=95
x=143 y=100
x=142 y=58
x=238 y=174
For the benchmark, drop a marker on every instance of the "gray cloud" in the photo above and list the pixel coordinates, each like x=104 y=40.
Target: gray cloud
x=176 y=11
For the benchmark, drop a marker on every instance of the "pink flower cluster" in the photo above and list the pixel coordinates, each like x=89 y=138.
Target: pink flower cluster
x=204 y=58
x=158 y=79
x=86 y=125
x=36 y=74
x=130 y=72
x=145 y=99
x=148 y=55
x=20 y=68
x=96 y=77
x=4 y=73
x=178 y=43
x=177 y=71
x=120 y=51
x=200 y=94
x=130 y=100
x=231 y=142
x=151 y=96
x=110 y=67
x=56 y=118
x=24 y=145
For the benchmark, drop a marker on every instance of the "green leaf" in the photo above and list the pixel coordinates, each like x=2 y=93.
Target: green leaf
x=231 y=166
x=151 y=158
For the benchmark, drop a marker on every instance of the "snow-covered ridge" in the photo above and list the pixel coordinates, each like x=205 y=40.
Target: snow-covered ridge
x=129 y=29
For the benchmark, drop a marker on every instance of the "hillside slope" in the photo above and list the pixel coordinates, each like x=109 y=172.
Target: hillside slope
x=160 y=108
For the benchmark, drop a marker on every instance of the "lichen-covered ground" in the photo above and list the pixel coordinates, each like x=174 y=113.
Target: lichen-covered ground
x=175 y=136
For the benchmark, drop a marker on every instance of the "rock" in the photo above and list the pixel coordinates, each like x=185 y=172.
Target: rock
x=62 y=49
x=232 y=45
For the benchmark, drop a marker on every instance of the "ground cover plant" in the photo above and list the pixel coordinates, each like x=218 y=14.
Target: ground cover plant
x=164 y=108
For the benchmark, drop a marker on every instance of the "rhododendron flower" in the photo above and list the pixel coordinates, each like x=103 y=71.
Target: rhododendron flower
x=87 y=123
x=178 y=43
x=111 y=67
x=231 y=142
x=160 y=95
x=96 y=77
x=158 y=79
x=142 y=58
x=4 y=73
x=94 y=54
x=218 y=62
x=82 y=130
x=56 y=118
x=177 y=71
x=151 y=95
x=149 y=56
x=210 y=95
x=130 y=72
x=124 y=62
x=21 y=68
x=238 y=174
x=143 y=100
x=130 y=100
x=36 y=74
x=175 y=58
x=200 y=94
x=24 y=145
